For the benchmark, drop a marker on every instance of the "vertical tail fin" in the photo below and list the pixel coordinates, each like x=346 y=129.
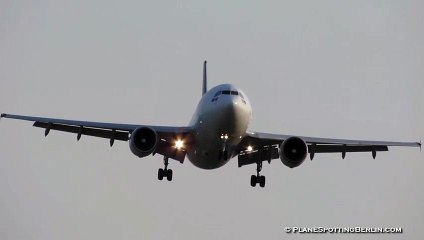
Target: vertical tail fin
x=205 y=88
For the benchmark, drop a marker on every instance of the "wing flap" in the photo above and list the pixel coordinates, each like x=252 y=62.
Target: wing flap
x=95 y=132
x=266 y=154
x=345 y=148
x=165 y=148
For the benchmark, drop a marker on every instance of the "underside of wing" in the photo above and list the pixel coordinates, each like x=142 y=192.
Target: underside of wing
x=292 y=150
x=162 y=138
x=278 y=138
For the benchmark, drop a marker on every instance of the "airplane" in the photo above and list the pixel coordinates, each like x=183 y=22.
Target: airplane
x=217 y=132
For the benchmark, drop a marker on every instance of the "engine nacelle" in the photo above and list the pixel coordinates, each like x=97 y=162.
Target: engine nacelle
x=143 y=141
x=293 y=151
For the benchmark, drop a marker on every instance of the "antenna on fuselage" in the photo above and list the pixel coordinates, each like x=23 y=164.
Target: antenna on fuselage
x=205 y=88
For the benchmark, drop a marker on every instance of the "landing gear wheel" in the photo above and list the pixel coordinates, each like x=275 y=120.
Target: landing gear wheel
x=261 y=181
x=258 y=178
x=253 y=181
x=165 y=172
x=160 y=174
x=169 y=175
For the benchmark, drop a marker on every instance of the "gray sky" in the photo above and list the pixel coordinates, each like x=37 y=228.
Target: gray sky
x=346 y=69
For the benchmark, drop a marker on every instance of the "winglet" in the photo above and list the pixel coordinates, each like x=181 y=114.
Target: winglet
x=204 y=89
x=420 y=145
x=3 y=115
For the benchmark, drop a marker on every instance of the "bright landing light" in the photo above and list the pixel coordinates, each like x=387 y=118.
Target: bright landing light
x=249 y=148
x=179 y=144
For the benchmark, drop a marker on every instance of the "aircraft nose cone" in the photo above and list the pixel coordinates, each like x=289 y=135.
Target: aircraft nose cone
x=233 y=108
x=229 y=104
x=232 y=116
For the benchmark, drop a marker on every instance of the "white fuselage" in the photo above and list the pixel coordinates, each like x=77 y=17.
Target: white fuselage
x=220 y=122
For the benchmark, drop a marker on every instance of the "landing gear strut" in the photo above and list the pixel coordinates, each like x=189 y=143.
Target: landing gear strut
x=223 y=155
x=165 y=172
x=254 y=179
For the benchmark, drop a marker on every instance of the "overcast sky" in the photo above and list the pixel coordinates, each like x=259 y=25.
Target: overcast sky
x=345 y=69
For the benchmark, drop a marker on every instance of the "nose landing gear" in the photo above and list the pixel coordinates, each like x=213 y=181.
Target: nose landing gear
x=254 y=179
x=223 y=155
x=165 y=172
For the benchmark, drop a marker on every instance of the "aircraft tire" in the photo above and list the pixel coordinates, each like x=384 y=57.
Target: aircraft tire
x=262 y=181
x=160 y=174
x=169 y=175
x=253 y=181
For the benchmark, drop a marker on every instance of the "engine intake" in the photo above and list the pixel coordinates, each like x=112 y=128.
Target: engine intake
x=143 y=141
x=293 y=151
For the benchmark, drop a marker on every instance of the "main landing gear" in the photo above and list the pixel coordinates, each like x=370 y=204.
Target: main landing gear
x=165 y=172
x=254 y=179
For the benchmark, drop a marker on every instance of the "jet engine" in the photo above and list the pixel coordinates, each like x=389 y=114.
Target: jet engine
x=143 y=141
x=293 y=151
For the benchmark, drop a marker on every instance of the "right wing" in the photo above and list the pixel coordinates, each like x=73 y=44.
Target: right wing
x=111 y=131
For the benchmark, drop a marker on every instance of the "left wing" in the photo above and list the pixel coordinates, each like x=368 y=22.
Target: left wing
x=266 y=146
x=111 y=131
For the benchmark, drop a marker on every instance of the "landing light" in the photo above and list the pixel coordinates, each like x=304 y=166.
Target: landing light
x=179 y=144
x=249 y=148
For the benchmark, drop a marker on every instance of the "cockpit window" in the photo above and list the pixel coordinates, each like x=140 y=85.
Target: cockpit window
x=228 y=92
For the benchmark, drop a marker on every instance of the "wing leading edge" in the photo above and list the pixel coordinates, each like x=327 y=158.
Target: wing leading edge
x=116 y=126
